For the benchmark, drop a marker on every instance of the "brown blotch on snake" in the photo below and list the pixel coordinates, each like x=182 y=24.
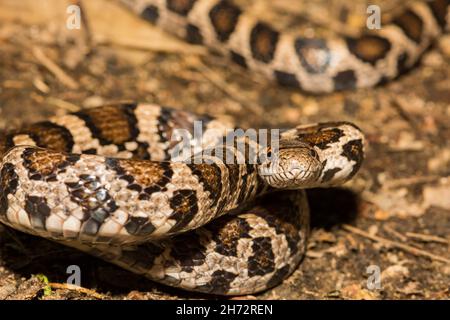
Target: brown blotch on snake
x=262 y=260
x=42 y=164
x=263 y=42
x=210 y=176
x=224 y=17
x=111 y=125
x=182 y=7
x=321 y=138
x=411 y=25
x=369 y=48
x=227 y=238
x=145 y=177
x=184 y=203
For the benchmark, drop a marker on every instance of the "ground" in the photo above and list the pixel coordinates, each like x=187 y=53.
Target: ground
x=393 y=215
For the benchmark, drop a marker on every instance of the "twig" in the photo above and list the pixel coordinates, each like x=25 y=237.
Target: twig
x=72 y=287
x=54 y=68
x=402 y=182
x=400 y=105
x=59 y=103
x=427 y=237
x=410 y=249
x=395 y=233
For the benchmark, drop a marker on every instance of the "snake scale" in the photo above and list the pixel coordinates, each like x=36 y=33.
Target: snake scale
x=104 y=180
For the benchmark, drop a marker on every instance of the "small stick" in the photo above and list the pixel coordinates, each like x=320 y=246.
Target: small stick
x=400 y=106
x=54 y=68
x=410 y=249
x=397 y=183
x=72 y=287
x=427 y=237
x=59 y=103
x=395 y=233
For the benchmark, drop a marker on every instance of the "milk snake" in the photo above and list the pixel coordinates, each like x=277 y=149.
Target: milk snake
x=104 y=180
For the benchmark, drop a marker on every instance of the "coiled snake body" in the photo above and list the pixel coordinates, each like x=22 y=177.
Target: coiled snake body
x=100 y=180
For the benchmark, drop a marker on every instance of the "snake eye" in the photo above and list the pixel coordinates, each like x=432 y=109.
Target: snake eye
x=269 y=154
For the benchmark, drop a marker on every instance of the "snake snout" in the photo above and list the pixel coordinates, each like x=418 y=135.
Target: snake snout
x=294 y=168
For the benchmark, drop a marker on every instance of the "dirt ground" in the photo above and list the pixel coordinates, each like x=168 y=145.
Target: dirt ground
x=394 y=214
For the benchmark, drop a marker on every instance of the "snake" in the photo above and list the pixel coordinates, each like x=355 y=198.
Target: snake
x=294 y=58
x=177 y=197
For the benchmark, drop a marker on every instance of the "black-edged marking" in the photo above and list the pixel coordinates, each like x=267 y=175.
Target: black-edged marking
x=95 y=201
x=286 y=79
x=164 y=121
x=38 y=211
x=193 y=34
x=9 y=181
x=284 y=216
x=369 y=48
x=181 y=7
x=243 y=190
x=238 y=59
x=226 y=233
x=319 y=136
x=440 y=8
x=111 y=124
x=141 y=152
x=345 y=80
x=150 y=13
x=329 y=174
x=262 y=261
x=49 y=135
x=224 y=17
x=143 y=257
x=353 y=151
x=145 y=177
x=402 y=63
x=314 y=54
x=184 y=204
x=263 y=42
x=210 y=176
x=411 y=24
x=139 y=226
x=6 y=142
x=233 y=179
x=383 y=80
x=188 y=251
x=220 y=282
x=46 y=165
x=278 y=276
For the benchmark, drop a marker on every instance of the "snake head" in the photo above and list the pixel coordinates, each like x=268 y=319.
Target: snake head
x=295 y=165
x=321 y=155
